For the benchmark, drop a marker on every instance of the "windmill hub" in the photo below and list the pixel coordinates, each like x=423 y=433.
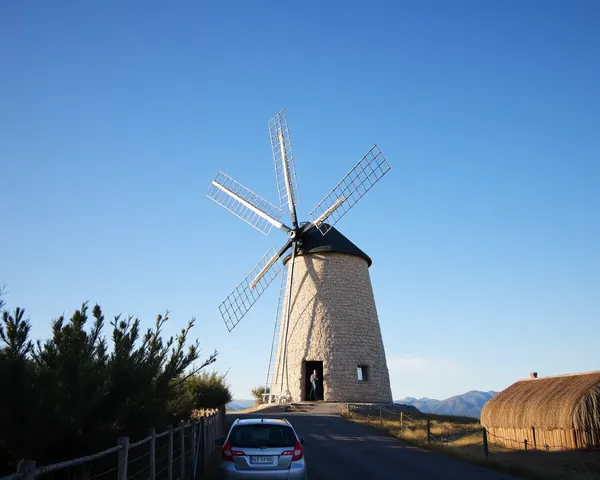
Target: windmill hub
x=326 y=317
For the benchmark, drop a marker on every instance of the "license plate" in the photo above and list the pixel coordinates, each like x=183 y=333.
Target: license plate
x=261 y=459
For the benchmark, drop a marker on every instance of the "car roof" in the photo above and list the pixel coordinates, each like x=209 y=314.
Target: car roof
x=262 y=421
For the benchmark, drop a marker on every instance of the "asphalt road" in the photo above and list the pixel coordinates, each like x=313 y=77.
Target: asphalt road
x=338 y=449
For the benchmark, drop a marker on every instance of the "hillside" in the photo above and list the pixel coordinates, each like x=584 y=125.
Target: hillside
x=467 y=405
x=239 y=404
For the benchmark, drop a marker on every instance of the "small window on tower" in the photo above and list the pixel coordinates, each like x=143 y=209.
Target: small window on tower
x=362 y=372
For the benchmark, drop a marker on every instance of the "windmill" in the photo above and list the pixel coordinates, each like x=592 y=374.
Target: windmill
x=326 y=317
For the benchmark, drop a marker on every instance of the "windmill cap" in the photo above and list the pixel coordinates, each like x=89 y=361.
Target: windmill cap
x=333 y=242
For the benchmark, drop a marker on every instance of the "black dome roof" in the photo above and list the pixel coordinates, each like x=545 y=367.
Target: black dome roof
x=312 y=241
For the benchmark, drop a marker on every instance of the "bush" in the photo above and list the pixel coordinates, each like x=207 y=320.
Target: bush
x=257 y=393
x=68 y=396
x=201 y=391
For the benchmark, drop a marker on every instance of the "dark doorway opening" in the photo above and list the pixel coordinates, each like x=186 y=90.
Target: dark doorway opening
x=308 y=371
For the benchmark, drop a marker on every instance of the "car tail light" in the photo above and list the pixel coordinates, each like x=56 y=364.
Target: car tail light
x=227 y=453
x=296 y=453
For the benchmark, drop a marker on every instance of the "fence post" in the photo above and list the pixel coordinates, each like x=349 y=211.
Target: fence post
x=170 y=454
x=486 y=450
x=525 y=443
x=194 y=448
x=152 y=454
x=401 y=421
x=193 y=422
x=210 y=445
x=27 y=469
x=202 y=446
x=211 y=431
x=380 y=416
x=222 y=418
x=182 y=449
x=123 y=456
x=533 y=434
x=428 y=430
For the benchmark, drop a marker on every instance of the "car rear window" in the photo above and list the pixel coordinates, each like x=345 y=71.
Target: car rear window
x=256 y=436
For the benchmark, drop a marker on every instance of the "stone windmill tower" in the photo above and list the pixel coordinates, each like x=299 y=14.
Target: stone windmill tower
x=326 y=317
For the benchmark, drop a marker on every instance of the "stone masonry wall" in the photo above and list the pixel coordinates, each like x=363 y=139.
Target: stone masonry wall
x=334 y=320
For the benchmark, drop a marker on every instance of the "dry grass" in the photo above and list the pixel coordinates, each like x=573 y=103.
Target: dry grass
x=456 y=436
x=204 y=412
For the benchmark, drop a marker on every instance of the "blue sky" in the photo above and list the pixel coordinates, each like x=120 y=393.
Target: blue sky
x=484 y=235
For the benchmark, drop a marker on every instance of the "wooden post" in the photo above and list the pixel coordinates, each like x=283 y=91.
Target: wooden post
x=486 y=450
x=193 y=423
x=211 y=433
x=533 y=434
x=202 y=442
x=170 y=454
x=152 y=454
x=194 y=447
x=123 y=457
x=525 y=443
x=380 y=416
x=222 y=418
x=428 y=430
x=26 y=469
x=182 y=450
x=210 y=444
x=207 y=437
x=401 y=421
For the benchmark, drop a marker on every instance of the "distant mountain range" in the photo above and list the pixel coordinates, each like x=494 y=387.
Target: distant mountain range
x=239 y=404
x=466 y=405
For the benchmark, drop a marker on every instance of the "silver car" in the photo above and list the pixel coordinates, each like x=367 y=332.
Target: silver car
x=266 y=448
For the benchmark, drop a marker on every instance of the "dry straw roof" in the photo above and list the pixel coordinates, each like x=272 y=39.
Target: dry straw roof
x=561 y=402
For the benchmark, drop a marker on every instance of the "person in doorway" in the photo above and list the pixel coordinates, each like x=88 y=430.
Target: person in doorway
x=314 y=385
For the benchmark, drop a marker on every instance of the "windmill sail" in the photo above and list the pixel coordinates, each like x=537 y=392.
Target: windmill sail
x=238 y=302
x=285 y=170
x=245 y=204
x=366 y=173
x=264 y=270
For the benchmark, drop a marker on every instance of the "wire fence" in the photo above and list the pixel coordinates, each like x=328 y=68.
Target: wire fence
x=422 y=429
x=525 y=444
x=447 y=431
x=181 y=452
x=509 y=443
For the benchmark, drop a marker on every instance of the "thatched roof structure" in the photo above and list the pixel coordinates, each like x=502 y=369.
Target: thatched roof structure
x=561 y=402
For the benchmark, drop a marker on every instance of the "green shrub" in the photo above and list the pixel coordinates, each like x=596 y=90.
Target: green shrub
x=257 y=393
x=70 y=395
x=201 y=391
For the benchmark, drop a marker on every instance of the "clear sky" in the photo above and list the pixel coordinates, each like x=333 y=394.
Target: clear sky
x=114 y=118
